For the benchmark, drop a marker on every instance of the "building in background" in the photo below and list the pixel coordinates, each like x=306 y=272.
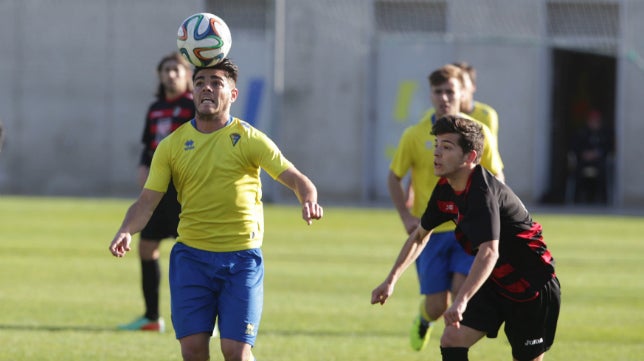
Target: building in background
x=334 y=82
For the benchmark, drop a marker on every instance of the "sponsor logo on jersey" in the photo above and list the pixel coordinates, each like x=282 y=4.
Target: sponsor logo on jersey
x=448 y=207
x=189 y=145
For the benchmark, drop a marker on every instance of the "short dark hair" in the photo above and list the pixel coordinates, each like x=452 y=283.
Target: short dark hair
x=443 y=74
x=230 y=68
x=470 y=131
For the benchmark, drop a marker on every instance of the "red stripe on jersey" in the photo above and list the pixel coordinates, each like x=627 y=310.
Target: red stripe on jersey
x=533 y=233
x=502 y=270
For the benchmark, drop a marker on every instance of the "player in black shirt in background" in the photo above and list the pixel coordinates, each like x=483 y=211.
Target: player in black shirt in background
x=512 y=279
x=173 y=107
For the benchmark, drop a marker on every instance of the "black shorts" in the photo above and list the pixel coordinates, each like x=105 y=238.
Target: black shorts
x=529 y=326
x=165 y=219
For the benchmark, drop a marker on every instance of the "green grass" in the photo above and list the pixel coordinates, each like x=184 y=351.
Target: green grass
x=62 y=293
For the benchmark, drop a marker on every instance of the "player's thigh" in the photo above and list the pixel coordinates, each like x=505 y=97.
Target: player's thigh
x=531 y=326
x=241 y=299
x=193 y=290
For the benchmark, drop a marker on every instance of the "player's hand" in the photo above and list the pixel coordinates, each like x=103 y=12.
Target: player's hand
x=311 y=211
x=121 y=244
x=454 y=314
x=381 y=293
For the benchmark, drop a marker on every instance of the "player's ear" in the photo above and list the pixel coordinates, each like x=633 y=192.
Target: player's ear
x=471 y=156
x=233 y=95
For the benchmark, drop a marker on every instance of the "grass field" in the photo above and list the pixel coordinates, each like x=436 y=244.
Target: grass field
x=62 y=293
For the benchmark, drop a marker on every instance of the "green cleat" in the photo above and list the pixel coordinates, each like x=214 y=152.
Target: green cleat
x=144 y=324
x=419 y=334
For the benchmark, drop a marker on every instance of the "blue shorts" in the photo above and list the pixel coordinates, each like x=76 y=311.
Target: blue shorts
x=206 y=287
x=440 y=259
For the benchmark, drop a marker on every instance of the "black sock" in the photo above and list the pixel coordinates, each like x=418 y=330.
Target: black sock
x=151 y=279
x=454 y=353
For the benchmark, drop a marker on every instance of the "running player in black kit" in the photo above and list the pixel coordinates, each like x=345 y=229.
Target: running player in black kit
x=512 y=279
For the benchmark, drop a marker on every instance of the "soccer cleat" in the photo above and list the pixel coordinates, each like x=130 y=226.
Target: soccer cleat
x=144 y=324
x=419 y=334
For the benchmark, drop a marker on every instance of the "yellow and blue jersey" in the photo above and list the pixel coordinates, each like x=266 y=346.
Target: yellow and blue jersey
x=217 y=177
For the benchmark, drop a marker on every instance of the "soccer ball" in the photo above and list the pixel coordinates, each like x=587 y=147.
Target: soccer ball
x=204 y=39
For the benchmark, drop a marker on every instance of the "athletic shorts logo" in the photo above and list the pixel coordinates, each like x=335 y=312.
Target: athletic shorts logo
x=250 y=329
x=536 y=341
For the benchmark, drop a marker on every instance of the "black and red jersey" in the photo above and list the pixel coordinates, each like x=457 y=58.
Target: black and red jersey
x=489 y=210
x=163 y=117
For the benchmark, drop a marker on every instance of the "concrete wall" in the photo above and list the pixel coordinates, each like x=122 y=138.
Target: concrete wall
x=77 y=76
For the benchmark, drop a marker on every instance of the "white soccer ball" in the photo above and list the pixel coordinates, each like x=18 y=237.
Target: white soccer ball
x=204 y=39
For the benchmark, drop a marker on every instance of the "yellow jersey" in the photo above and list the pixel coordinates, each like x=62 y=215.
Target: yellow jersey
x=217 y=177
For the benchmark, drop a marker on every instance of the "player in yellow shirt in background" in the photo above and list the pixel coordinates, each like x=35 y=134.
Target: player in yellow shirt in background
x=216 y=265
x=482 y=112
x=443 y=265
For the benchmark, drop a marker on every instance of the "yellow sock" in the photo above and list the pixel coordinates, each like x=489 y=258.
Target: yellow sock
x=423 y=311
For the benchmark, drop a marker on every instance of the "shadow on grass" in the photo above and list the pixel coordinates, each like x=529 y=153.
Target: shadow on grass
x=326 y=333
x=272 y=332
x=55 y=328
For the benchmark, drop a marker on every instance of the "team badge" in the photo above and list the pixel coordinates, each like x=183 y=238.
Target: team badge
x=235 y=138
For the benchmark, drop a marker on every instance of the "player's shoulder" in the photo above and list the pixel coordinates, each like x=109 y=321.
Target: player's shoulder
x=240 y=125
x=422 y=128
x=484 y=108
x=486 y=128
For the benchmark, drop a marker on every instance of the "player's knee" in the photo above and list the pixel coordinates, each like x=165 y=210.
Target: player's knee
x=195 y=354
x=435 y=307
x=435 y=311
x=235 y=353
x=195 y=348
x=451 y=338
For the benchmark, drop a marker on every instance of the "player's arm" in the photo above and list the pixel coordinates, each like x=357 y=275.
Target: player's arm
x=486 y=257
x=305 y=191
x=408 y=254
x=397 y=194
x=136 y=218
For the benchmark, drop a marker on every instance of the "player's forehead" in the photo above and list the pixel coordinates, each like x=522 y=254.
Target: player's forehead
x=170 y=65
x=210 y=74
x=451 y=138
x=451 y=84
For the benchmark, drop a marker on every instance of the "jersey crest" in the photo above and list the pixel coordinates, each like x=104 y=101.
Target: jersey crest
x=235 y=138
